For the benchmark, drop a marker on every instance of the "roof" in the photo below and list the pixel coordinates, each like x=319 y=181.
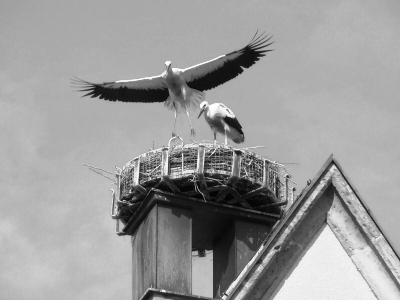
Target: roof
x=329 y=199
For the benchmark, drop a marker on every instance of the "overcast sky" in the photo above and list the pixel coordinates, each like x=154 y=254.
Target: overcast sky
x=331 y=85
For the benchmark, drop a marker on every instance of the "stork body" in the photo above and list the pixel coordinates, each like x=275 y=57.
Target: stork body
x=180 y=93
x=221 y=119
x=180 y=86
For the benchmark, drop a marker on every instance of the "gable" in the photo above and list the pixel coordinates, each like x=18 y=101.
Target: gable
x=325 y=271
x=330 y=200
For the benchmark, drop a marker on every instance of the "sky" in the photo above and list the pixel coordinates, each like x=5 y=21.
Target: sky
x=331 y=85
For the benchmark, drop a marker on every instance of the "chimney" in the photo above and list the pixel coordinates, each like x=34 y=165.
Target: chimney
x=192 y=197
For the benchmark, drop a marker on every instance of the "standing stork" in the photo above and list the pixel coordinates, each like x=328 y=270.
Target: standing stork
x=180 y=86
x=221 y=119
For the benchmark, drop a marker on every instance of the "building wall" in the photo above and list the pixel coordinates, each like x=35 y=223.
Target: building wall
x=325 y=272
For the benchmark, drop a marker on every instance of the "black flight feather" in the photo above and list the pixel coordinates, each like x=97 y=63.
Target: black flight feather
x=233 y=122
x=232 y=68
x=107 y=91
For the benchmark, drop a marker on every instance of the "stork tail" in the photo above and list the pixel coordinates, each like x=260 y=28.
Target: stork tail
x=194 y=98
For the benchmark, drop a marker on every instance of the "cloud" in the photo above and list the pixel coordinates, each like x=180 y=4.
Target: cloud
x=30 y=271
x=26 y=271
x=357 y=31
x=22 y=123
x=53 y=234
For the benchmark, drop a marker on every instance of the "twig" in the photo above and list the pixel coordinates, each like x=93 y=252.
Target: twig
x=155 y=169
x=212 y=179
x=115 y=182
x=99 y=169
x=213 y=151
x=254 y=147
x=197 y=188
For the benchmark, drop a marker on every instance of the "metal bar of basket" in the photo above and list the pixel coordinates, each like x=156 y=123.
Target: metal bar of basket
x=136 y=167
x=165 y=171
x=164 y=162
x=266 y=173
x=113 y=206
x=135 y=177
x=118 y=189
x=200 y=172
x=200 y=159
x=287 y=186
x=115 y=195
x=236 y=164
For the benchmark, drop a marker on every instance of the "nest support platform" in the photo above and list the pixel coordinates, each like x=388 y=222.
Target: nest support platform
x=221 y=174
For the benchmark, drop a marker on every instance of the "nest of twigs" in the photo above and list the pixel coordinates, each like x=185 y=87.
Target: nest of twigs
x=182 y=166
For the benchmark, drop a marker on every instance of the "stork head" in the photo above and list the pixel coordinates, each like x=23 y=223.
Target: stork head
x=168 y=65
x=203 y=106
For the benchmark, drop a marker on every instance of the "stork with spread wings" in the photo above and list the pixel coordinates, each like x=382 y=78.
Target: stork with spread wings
x=180 y=86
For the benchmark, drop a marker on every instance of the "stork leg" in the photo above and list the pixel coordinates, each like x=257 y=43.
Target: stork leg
x=192 y=132
x=215 y=139
x=226 y=138
x=173 y=129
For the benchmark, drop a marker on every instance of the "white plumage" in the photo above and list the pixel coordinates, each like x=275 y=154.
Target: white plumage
x=180 y=86
x=221 y=119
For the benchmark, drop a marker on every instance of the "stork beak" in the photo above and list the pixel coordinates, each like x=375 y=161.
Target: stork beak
x=200 y=113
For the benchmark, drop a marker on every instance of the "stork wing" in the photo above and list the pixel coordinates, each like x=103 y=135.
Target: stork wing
x=148 y=89
x=233 y=122
x=229 y=117
x=212 y=73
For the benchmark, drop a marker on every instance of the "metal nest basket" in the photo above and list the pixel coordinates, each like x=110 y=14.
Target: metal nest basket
x=217 y=173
